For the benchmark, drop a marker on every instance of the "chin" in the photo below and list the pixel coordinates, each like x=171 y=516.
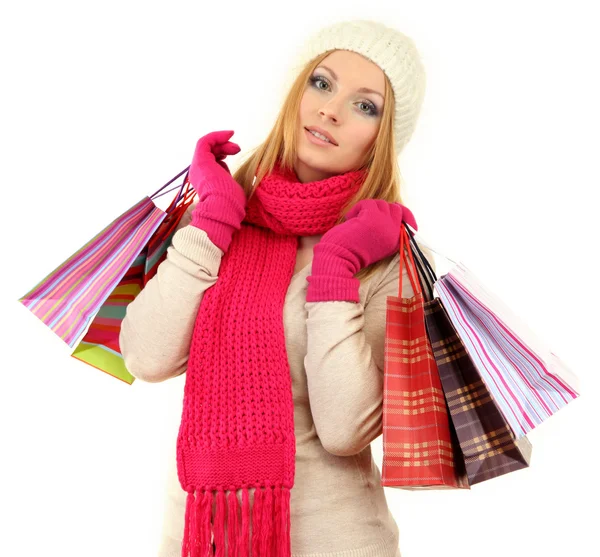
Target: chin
x=324 y=162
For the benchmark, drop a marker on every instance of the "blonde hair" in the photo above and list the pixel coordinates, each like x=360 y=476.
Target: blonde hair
x=383 y=179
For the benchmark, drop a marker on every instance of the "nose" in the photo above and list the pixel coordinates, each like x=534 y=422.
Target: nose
x=330 y=110
x=329 y=113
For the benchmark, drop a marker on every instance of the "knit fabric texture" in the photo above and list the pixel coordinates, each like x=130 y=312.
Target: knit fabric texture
x=237 y=427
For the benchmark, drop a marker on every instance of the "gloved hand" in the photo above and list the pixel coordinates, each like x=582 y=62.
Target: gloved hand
x=369 y=233
x=221 y=200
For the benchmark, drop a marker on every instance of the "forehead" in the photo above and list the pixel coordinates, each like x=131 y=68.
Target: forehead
x=354 y=68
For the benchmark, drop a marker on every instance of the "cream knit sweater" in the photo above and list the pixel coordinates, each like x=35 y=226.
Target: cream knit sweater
x=336 y=356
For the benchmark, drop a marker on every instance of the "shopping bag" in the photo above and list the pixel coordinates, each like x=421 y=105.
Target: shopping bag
x=67 y=299
x=490 y=448
x=156 y=250
x=99 y=347
x=420 y=448
x=528 y=381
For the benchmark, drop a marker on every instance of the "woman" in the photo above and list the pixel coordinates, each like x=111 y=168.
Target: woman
x=272 y=299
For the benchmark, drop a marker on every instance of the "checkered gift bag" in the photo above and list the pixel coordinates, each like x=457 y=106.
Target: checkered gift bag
x=420 y=447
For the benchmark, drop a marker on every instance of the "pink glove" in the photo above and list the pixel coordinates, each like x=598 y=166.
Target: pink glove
x=370 y=232
x=221 y=200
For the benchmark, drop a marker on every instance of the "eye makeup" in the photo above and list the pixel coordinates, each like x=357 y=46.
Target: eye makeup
x=315 y=79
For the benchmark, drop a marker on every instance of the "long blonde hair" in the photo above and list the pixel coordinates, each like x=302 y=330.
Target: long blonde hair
x=383 y=179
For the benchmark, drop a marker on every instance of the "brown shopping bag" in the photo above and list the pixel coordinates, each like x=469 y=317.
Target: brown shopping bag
x=420 y=448
x=488 y=444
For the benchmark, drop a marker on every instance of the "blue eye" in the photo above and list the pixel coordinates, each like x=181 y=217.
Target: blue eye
x=316 y=79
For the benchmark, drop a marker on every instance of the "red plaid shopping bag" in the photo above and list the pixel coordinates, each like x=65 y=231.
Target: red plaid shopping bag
x=420 y=447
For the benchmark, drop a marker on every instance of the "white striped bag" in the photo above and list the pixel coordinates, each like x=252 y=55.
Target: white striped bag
x=529 y=382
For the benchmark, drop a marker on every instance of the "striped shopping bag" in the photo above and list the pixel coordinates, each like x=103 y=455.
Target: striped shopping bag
x=488 y=444
x=100 y=345
x=420 y=447
x=103 y=276
x=156 y=249
x=528 y=382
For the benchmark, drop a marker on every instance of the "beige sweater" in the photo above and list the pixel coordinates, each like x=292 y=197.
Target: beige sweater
x=336 y=356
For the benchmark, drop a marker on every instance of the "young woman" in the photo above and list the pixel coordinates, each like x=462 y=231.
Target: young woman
x=272 y=298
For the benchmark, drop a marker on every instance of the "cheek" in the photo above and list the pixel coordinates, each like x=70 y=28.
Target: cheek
x=303 y=113
x=307 y=103
x=302 y=109
x=362 y=135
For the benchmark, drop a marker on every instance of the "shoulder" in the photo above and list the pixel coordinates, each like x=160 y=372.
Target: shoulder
x=386 y=281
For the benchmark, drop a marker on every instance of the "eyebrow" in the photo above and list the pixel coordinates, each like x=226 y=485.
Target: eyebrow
x=361 y=90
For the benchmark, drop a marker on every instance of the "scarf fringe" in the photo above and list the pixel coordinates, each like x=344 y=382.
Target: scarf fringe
x=270 y=512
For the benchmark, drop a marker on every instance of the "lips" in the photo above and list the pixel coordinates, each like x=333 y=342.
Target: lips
x=322 y=132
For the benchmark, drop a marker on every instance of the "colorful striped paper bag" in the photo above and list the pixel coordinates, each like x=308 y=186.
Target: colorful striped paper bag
x=420 y=448
x=100 y=345
x=67 y=299
x=161 y=240
x=529 y=383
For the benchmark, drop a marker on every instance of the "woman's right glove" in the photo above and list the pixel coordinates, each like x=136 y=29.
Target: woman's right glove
x=221 y=200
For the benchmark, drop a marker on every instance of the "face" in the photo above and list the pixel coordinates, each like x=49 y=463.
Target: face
x=336 y=101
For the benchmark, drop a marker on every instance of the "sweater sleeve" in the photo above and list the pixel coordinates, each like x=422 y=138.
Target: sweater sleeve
x=156 y=331
x=344 y=364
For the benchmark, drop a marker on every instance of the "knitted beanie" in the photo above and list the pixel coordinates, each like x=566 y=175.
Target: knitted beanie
x=394 y=52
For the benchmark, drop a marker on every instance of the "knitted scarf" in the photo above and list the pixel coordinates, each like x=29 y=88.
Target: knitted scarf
x=237 y=428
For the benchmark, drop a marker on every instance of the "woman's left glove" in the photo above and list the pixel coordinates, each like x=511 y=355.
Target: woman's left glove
x=369 y=233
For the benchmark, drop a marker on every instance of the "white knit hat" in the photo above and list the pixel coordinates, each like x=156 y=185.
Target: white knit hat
x=394 y=52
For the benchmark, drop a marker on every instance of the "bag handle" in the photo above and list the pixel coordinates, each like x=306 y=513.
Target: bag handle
x=155 y=194
x=426 y=271
x=421 y=265
x=411 y=269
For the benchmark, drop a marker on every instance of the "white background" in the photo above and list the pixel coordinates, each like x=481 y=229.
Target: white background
x=102 y=103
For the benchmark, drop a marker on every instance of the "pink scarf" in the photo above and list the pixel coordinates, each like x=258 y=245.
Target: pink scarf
x=237 y=428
